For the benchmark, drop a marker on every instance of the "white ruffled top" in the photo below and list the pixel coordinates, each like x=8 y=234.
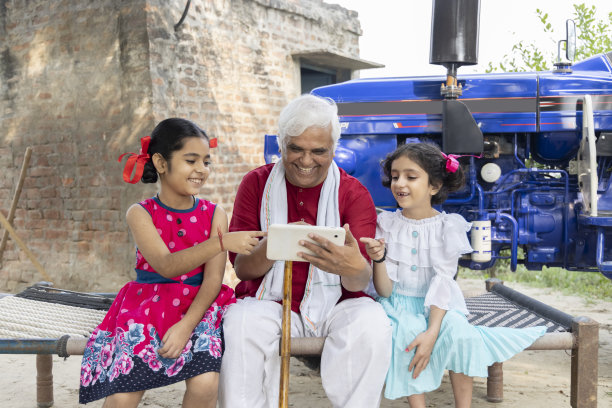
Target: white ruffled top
x=422 y=256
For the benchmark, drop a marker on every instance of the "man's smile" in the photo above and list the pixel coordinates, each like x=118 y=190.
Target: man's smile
x=305 y=170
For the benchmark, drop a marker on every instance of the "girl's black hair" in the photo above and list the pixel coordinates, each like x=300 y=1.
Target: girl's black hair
x=169 y=136
x=429 y=157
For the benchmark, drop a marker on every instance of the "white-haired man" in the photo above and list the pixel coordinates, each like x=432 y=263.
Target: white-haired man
x=327 y=291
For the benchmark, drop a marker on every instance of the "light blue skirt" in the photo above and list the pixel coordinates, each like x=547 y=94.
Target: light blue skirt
x=460 y=347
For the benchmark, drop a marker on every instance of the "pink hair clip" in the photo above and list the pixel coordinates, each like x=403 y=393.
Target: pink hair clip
x=452 y=164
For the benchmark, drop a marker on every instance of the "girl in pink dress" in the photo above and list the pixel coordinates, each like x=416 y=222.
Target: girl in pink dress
x=165 y=326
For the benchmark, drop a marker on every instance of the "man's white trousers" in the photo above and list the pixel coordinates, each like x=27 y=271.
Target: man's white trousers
x=354 y=361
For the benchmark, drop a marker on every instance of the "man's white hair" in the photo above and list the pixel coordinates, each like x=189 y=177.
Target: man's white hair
x=306 y=111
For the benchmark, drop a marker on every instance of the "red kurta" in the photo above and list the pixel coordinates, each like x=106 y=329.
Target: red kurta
x=356 y=209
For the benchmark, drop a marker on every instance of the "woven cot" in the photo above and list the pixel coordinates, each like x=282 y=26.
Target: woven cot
x=45 y=321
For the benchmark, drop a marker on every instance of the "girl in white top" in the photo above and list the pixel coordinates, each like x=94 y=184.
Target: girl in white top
x=415 y=257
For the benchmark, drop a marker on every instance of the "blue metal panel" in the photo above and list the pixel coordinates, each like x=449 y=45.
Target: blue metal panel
x=561 y=96
x=368 y=151
x=500 y=103
x=552 y=147
x=391 y=125
x=504 y=85
x=271 y=149
x=594 y=64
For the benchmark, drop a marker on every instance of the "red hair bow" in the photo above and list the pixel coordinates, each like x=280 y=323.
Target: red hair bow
x=136 y=160
x=212 y=143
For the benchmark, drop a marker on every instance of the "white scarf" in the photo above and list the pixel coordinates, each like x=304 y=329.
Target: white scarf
x=322 y=289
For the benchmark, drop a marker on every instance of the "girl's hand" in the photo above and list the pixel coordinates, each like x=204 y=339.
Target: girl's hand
x=241 y=242
x=374 y=247
x=175 y=339
x=424 y=344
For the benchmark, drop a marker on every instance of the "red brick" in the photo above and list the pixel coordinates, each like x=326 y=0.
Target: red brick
x=52 y=214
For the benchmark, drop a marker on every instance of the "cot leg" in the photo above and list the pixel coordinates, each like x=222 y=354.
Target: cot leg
x=584 y=363
x=495 y=383
x=44 y=380
x=495 y=380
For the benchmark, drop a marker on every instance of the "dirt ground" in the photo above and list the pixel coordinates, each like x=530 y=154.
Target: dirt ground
x=531 y=379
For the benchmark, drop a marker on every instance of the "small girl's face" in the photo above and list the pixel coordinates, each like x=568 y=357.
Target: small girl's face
x=411 y=188
x=187 y=170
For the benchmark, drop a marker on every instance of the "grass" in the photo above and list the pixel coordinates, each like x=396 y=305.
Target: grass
x=589 y=285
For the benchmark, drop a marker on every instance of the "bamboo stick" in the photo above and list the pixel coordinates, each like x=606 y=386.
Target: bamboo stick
x=23 y=246
x=11 y=214
x=283 y=400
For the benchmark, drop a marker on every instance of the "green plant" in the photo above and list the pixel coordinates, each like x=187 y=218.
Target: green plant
x=594 y=37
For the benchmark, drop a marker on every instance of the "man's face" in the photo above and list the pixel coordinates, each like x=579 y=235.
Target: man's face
x=308 y=156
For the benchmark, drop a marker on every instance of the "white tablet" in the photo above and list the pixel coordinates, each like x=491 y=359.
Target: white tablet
x=283 y=239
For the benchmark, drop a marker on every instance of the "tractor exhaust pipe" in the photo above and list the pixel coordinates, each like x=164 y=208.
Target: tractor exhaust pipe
x=454 y=43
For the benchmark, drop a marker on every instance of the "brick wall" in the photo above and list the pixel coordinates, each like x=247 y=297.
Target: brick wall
x=82 y=81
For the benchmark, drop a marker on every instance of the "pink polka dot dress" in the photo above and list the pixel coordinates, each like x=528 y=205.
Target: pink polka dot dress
x=121 y=354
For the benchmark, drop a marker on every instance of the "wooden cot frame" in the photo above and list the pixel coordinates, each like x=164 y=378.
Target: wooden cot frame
x=583 y=341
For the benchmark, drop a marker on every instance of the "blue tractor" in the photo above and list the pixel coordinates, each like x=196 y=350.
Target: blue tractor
x=539 y=176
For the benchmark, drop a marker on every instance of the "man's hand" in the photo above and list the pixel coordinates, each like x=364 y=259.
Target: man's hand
x=345 y=261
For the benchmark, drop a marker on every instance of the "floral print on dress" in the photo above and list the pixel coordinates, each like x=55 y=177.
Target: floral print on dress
x=108 y=357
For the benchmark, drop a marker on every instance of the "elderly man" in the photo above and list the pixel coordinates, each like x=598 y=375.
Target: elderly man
x=305 y=186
